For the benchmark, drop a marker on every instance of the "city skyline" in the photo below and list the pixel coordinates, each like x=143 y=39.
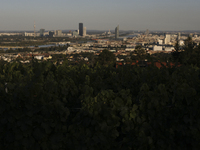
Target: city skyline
x=100 y=15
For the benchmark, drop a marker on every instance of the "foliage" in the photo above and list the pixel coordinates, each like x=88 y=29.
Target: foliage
x=106 y=58
x=47 y=106
x=189 y=55
x=176 y=53
x=140 y=53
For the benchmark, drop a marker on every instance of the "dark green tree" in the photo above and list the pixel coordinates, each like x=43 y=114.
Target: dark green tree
x=106 y=58
x=176 y=53
x=140 y=53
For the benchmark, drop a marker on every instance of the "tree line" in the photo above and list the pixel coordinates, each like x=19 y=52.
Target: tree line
x=47 y=106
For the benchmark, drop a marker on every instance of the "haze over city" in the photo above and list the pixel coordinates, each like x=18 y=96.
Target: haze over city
x=100 y=15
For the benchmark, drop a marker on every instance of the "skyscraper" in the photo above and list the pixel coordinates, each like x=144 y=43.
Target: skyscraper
x=84 y=31
x=117 y=32
x=147 y=32
x=179 y=36
x=167 y=38
x=42 y=32
x=81 y=29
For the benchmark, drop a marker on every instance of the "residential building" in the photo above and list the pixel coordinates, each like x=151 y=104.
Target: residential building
x=160 y=42
x=157 y=48
x=58 y=33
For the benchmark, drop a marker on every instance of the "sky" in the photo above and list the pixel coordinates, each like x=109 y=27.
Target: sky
x=175 y=15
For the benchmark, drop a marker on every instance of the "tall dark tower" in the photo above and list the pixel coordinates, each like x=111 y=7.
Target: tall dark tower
x=81 y=29
x=117 y=32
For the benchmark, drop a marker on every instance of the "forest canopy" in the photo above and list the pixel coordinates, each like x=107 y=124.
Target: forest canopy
x=47 y=106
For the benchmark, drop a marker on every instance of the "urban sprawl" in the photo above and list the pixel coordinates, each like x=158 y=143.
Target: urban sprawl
x=121 y=43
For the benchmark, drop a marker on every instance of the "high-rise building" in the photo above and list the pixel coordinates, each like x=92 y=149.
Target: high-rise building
x=58 y=32
x=84 y=31
x=167 y=38
x=81 y=29
x=117 y=32
x=147 y=32
x=179 y=36
x=42 y=32
x=51 y=33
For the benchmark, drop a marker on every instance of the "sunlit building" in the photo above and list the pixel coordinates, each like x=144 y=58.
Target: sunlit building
x=84 y=31
x=167 y=38
x=58 y=33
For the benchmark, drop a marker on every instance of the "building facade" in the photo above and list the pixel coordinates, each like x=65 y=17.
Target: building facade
x=117 y=32
x=84 y=31
x=81 y=29
x=42 y=32
x=167 y=38
x=51 y=33
x=179 y=36
x=75 y=33
x=58 y=32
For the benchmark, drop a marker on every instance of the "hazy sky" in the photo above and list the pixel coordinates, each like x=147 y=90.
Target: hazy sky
x=100 y=15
